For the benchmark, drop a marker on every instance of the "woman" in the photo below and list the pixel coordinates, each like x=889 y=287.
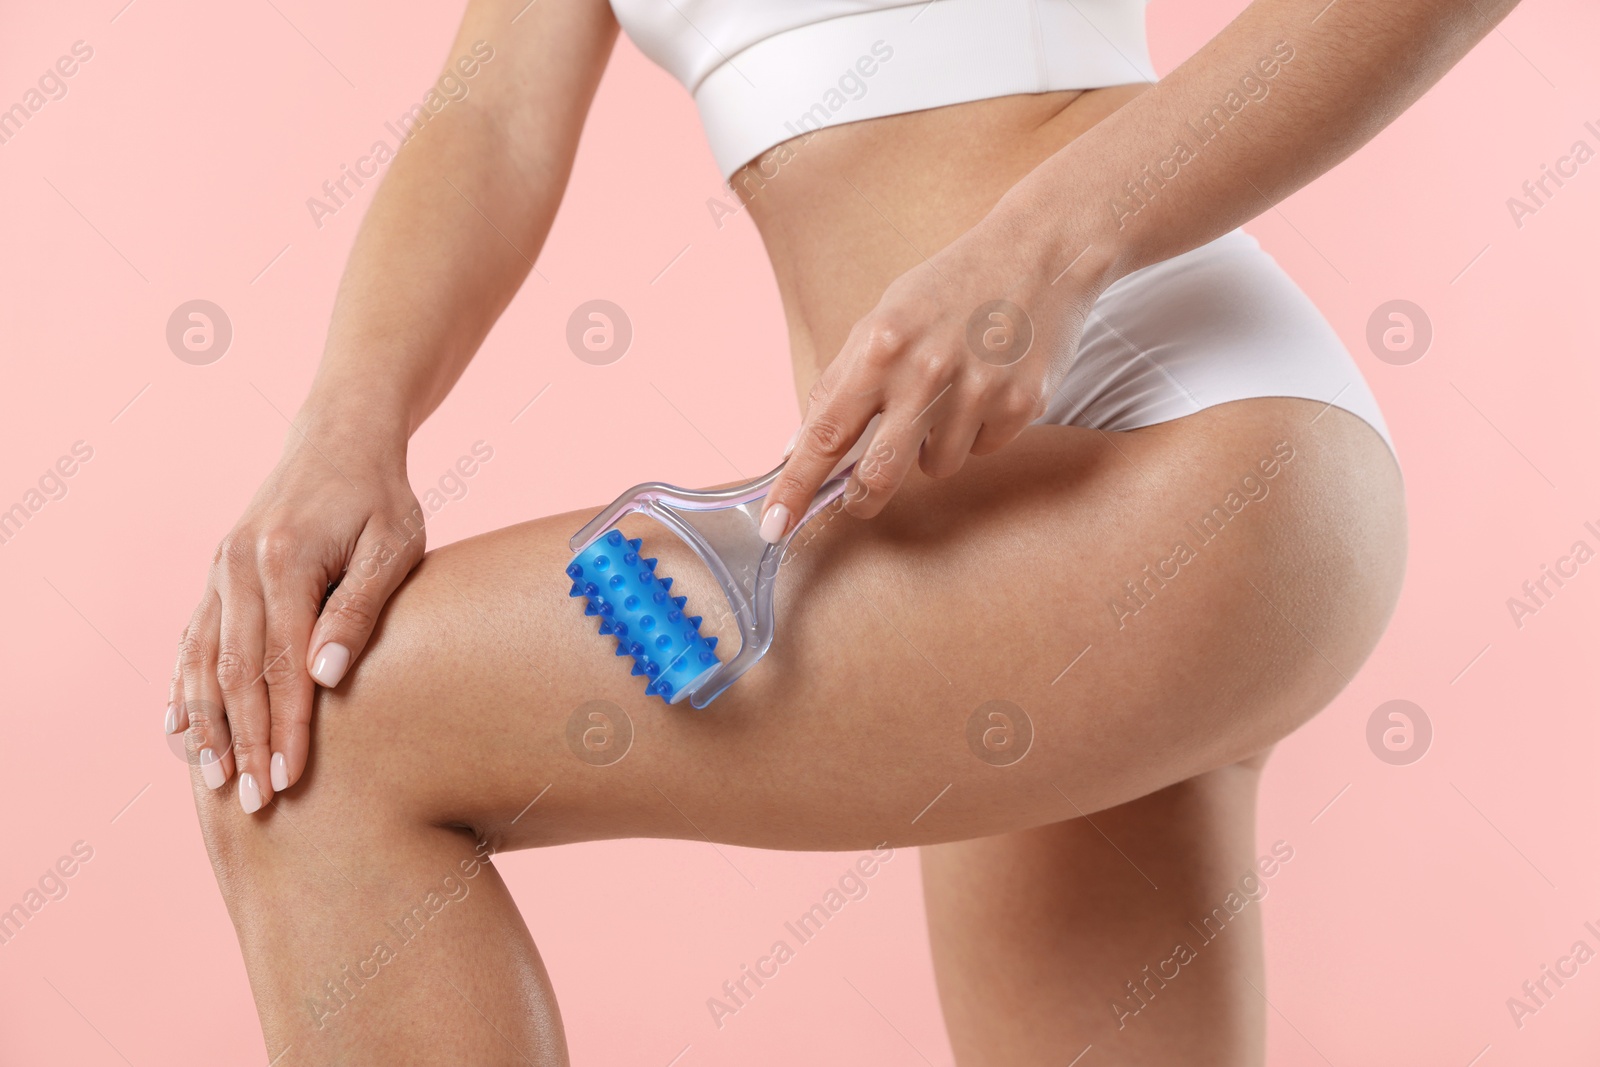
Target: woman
x=1183 y=534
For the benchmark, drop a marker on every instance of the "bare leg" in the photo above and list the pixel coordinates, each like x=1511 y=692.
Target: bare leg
x=376 y=938
x=852 y=733
x=1051 y=940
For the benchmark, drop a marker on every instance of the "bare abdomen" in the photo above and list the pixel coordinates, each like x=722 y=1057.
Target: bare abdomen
x=846 y=210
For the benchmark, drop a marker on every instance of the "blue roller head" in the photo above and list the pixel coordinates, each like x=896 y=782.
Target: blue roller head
x=634 y=607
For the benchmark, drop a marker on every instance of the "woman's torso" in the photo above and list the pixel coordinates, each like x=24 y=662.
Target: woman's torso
x=923 y=113
x=847 y=209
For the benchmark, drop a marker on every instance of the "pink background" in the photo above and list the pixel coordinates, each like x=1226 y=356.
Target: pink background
x=177 y=168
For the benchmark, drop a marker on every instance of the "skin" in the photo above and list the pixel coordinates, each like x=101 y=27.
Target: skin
x=468 y=667
x=458 y=720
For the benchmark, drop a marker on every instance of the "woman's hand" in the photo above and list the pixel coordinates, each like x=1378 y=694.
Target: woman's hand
x=959 y=355
x=337 y=508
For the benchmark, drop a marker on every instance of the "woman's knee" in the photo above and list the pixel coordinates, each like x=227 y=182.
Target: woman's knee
x=418 y=729
x=364 y=765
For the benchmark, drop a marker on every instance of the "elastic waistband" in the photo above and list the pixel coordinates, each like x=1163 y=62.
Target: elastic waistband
x=888 y=61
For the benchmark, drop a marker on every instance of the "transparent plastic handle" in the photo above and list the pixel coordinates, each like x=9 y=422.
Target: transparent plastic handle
x=722 y=527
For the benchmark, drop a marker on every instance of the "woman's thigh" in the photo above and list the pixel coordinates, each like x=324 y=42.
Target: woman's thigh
x=1145 y=606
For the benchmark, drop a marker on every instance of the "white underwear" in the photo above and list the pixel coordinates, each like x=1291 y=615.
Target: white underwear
x=1218 y=323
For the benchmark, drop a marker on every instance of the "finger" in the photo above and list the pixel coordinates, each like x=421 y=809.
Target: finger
x=291 y=613
x=385 y=553
x=208 y=740
x=244 y=689
x=176 y=719
x=839 y=411
x=1008 y=414
x=883 y=467
x=947 y=446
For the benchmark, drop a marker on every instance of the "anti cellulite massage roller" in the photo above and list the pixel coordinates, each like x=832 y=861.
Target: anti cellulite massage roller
x=620 y=584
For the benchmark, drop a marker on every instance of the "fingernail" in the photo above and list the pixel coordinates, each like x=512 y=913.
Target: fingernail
x=331 y=663
x=210 y=769
x=280 y=772
x=774 y=523
x=792 y=441
x=171 y=726
x=249 y=793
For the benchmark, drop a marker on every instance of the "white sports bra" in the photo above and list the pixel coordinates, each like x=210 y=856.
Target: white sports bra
x=763 y=71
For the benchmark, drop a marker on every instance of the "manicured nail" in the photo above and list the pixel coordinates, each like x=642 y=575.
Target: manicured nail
x=792 y=441
x=774 y=523
x=210 y=769
x=280 y=773
x=171 y=726
x=249 y=793
x=331 y=663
